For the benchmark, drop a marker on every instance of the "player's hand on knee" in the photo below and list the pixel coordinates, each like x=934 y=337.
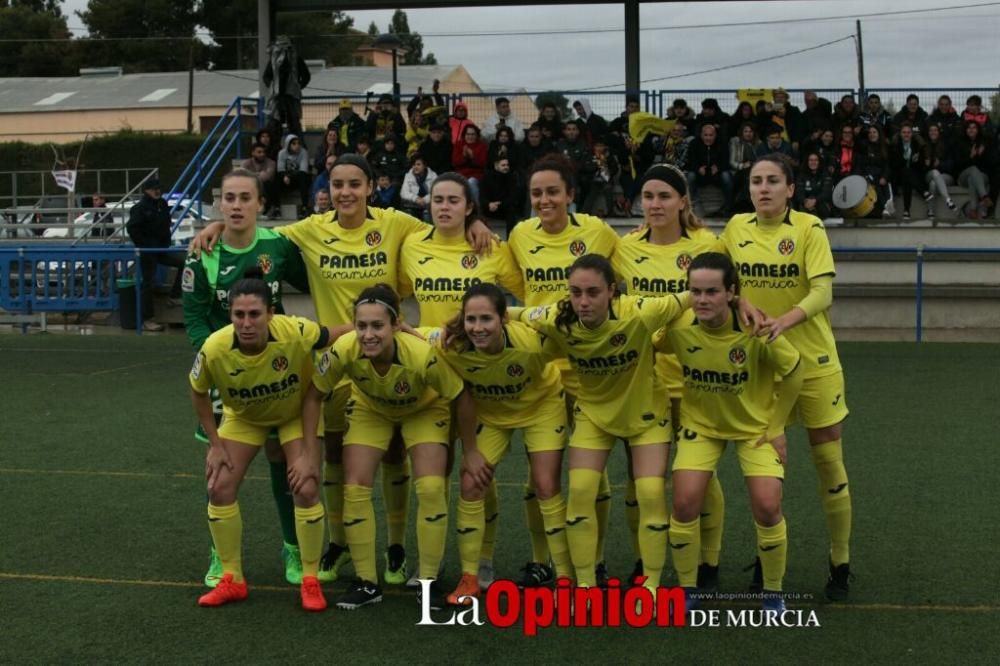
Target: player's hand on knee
x=780 y=444
x=300 y=473
x=216 y=459
x=477 y=467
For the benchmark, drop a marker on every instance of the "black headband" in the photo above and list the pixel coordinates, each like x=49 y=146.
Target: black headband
x=670 y=175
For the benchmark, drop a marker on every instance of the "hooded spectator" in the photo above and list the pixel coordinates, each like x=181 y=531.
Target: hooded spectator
x=458 y=122
x=348 y=126
x=293 y=171
x=712 y=114
x=596 y=126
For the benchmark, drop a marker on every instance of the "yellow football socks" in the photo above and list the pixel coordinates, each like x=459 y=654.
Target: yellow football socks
x=491 y=509
x=226 y=526
x=772 y=547
x=470 y=523
x=359 y=527
x=554 y=516
x=685 y=548
x=333 y=493
x=713 y=513
x=432 y=523
x=396 y=495
x=835 y=497
x=536 y=526
x=310 y=530
x=581 y=523
x=650 y=491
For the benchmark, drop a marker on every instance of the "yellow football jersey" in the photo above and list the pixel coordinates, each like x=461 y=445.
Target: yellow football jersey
x=265 y=389
x=543 y=257
x=657 y=270
x=437 y=271
x=619 y=390
x=341 y=263
x=729 y=376
x=775 y=263
x=415 y=379
x=510 y=387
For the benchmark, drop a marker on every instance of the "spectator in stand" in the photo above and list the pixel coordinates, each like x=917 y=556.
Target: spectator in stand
x=458 y=122
x=682 y=113
x=816 y=117
x=675 y=146
x=574 y=148
x=390 y=160
x=973 y=159
x=503 y=145
x=596 y=126
x=620 y=124
x=938 y=169
x=974 y=110
x=708 y=164
x=103 y=224
x=503 y=117
x=149 y=227
x=603 y=182
x=875 y=166
x=775 y=143
x=266 y=139
x=827 y=150
x=535 y=147
x=266 y=170
x=416 y=133
x=415 y=195
x=348 y=125
x=500 y=195
x=846 y=114
x=908 y=167
x=436 y=150
x=711 y=114
x=322 y=202
x=433 y=106
x=328 y=147
x=742 y=154
x=364 y=148
x=849 y=158
x=814 y=188
x=744 y=114
x=293 y=172
x=386 y=192
x=321 y=183
x=469 y=157
x=945 y=117
x=789 y=117
x=550 y=122
x=385 y=119
x=913 y=114
x=874 y=114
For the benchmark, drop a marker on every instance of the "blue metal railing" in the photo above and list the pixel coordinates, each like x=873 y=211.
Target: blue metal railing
x=919 y=252
x=218 y=145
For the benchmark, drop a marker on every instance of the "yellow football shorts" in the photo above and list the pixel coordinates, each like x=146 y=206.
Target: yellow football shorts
x=367 y=425
x=700 y=453
x=240 y=430
x=546 y=431
x=821 y=402
x=588 y=435
x=334 y=407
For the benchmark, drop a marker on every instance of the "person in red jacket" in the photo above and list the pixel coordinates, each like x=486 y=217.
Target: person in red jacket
x=458 y=122
x=468 y=157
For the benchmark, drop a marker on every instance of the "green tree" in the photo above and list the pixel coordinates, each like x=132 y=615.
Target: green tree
x=121 y=32
x=30 y=22
x=412 y=41
x=557 y=98
x=373 y=29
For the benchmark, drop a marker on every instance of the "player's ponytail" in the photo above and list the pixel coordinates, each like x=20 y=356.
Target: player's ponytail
x=455 y=333
x=252 y=284
x=717 y=262
x=566 y=316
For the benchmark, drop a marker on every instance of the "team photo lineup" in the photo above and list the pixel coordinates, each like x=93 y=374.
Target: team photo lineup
x=663 y=345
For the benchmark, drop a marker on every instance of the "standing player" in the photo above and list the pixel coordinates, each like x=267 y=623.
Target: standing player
x=436 y=267
x=506 y=369
x=346 y=251
x=729 y=394
x=653 y=262
x=544 y=247
x=260 y=363
x=205 y=285
x=397 y=381
x=607 y=340
x=786 y=268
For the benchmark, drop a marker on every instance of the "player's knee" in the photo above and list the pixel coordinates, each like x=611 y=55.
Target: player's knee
x=767 y=510
x=308 y=494
x=827 y=434
x=547 y=488
x=223 y=493
x=471 y=490
x=686 y=505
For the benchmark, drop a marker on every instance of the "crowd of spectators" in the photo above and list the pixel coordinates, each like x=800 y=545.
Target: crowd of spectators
x=911 y=151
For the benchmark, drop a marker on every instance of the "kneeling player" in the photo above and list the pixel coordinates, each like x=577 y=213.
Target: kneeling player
x=260 y=364
x=506 y=368
x=398 y=380
x=729 y=394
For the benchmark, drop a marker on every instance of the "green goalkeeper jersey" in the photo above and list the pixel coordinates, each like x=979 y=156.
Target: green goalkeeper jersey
x=206 y=281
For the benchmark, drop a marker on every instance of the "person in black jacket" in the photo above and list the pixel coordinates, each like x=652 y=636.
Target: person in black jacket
x=973 y=161
x=436 y=150
x=501 y=194
x=149 y=227
x=708 y=164
x=874 y=164
x=906 y=156
x=814 y=188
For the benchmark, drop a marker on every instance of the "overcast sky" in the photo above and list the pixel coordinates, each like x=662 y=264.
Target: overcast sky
x=950 y=49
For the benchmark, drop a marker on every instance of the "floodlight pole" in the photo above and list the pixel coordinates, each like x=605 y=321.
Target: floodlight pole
x=861 y=62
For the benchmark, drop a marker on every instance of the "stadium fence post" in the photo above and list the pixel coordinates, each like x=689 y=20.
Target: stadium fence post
x=920 y=291
x=138 y=291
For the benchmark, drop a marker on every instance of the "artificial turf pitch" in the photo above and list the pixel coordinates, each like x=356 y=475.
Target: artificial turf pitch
x=103 y=538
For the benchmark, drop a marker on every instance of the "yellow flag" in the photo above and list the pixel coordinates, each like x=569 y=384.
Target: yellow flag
x=641 y=124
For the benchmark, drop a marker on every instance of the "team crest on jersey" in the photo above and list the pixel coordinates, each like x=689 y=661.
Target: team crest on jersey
x=187 y=280
x=470 y=261
x=374 y=238
x=683 y=261
x=324 y=364
x=401 y=388
x=279 y=364
x=618 y=339
x=264 y=263
x=786 y=246
x=738 y=356
x=515 y=370
x=578 y=248
x=196 y=368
